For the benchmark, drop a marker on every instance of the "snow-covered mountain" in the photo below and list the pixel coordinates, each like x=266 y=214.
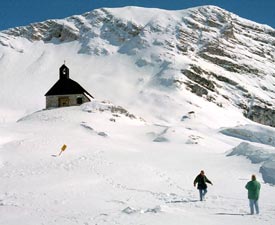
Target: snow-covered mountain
x=210 y=52
x=175 y=92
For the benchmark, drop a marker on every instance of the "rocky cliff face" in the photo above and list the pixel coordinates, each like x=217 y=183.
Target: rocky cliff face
x=211 y=52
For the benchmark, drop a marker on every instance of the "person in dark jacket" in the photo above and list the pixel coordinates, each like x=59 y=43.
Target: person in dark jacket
x=201 y=180
x=253 y=188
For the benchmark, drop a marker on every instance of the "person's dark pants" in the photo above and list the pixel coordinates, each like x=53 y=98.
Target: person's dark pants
x=202 y=193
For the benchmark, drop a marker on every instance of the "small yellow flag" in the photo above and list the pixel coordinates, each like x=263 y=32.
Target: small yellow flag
x=63 y=148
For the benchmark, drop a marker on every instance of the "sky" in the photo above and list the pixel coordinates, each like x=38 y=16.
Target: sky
x=15 y=13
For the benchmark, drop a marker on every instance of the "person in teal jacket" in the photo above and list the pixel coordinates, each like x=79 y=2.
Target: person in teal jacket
x=253 y=188
x=201 y=180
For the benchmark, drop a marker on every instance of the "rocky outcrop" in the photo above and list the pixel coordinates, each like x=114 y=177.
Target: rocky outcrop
x=260 y=114
x=46 y=31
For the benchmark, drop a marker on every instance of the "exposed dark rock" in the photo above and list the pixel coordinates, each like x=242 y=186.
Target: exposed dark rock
x=120 y=110
x=230 y=66
x=45 y=31
x=263 y=115
x=225 y=79
x=197 y=89
x=195 y=77
x=217 y=49
x=228 y=31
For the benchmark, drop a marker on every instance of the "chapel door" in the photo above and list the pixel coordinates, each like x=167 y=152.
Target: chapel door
x=63 y=101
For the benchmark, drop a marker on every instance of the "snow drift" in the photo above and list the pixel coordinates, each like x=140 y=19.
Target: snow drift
x=256 y=154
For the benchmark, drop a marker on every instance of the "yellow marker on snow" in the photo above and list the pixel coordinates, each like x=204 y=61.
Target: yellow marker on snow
x=63 y=148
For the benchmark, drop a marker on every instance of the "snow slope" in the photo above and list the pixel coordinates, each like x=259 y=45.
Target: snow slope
x=123 y=176
x=169 y=102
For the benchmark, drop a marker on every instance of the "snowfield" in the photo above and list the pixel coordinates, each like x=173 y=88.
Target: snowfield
x=123 y=176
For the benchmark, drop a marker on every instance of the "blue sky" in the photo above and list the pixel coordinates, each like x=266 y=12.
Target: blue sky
x=23 y=12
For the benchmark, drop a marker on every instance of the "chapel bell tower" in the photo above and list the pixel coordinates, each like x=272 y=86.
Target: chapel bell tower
x=63 y=72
